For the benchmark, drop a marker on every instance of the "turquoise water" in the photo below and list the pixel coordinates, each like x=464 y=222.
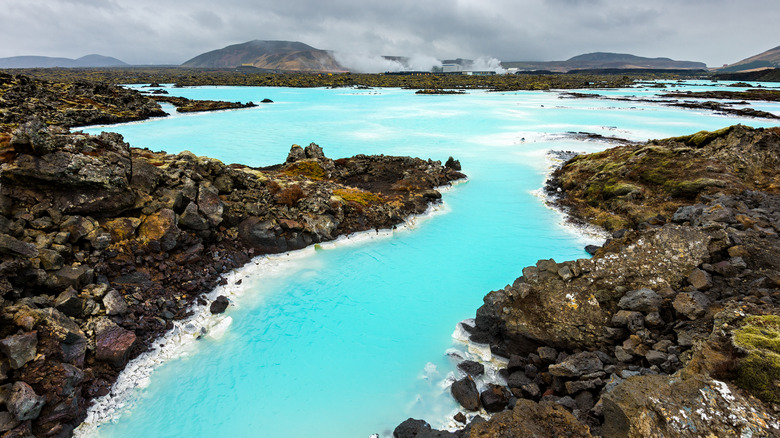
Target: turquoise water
x=351 y=338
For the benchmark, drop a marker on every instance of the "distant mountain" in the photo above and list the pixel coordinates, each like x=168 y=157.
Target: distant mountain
x=768 y=59
x=270 y=55
x=606 y=60
x=47 y=62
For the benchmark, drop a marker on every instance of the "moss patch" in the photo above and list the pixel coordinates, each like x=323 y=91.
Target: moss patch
x=307 y=169
x=759 y=372
x=359 y=196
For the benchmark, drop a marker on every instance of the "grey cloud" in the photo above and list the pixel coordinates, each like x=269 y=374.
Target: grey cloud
x=153 y=31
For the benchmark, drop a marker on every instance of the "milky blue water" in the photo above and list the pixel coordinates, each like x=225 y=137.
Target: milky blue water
x=351 y=339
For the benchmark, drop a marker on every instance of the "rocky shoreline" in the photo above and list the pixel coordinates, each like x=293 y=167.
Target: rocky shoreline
x=103 y=246
x=671 y=329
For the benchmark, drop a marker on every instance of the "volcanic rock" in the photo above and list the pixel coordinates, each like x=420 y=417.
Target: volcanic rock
x=219 y=305
x=577 y=364
x=465 y=392
x=19 y=349
x=24 y=403
x=114 y=303
x=113 y=343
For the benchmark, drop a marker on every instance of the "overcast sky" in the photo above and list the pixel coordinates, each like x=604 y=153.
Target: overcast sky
x=172 y=31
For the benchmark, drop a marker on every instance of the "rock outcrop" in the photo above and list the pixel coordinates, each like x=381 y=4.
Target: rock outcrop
x=103 y=246
x=69 y=104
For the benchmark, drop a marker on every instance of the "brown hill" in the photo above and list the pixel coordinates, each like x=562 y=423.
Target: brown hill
x=764 y=60
x=271 y=55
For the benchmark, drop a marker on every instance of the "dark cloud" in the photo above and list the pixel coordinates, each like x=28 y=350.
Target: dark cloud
x=170 y=32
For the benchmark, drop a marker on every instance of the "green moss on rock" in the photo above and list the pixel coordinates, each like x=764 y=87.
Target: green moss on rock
x=759 y=372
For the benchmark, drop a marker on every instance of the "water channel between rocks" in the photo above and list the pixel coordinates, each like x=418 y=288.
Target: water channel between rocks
x=351 y=338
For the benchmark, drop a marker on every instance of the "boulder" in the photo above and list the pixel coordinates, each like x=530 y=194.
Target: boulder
x=412 y=428
x=495 y=398
x=691 y=304
x=24 y=403
x=517 y=380
x=78 y=227
x=576 y=313
x=656 y=405
x=122 y=228
x=259 y=234
x=700 y=280
x=160 y=231
x=192 y=219
x=296 y=153
x=50 y=260
x=531 y=419
x=69 y=302
x=20 y=349
x=73 y=343
x=210 y=205
x=12 y=246
x=472 y=368
x=465 y=392
x=453 y=164
x=577 y=365
x=219 y=305
x=641 y=300
x=7 y=421
x=314 y=151
x=112 y=343
x=70 y=276
x=114 y=303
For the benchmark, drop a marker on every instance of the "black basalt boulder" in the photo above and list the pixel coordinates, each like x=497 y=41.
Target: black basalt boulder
x=219 y=305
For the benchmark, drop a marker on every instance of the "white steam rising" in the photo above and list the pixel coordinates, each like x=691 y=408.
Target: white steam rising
x=363 y=63
x=485 y=63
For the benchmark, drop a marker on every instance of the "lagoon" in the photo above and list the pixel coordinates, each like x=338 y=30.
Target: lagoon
x=350 y=338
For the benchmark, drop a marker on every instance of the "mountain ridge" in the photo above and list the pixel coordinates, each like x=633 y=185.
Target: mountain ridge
x=606 y=60
x=270 y=55
x=92 y=60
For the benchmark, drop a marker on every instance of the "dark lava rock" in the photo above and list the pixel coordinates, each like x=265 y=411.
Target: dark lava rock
x=452 y=163
x=114 y=303
x=472 y=368
x=693 y=305
x=577 y=364
x=219 y=305
x=113 y=343
x=19 y=349
x=699 y=279
x=591 y=249
x=69 y=302
x=530 y=419
x=10 y=245
x=495 y=398
x=412 y=428
x=24 y=403
x=465 y=392
x=517 y=380
x=641 y=300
